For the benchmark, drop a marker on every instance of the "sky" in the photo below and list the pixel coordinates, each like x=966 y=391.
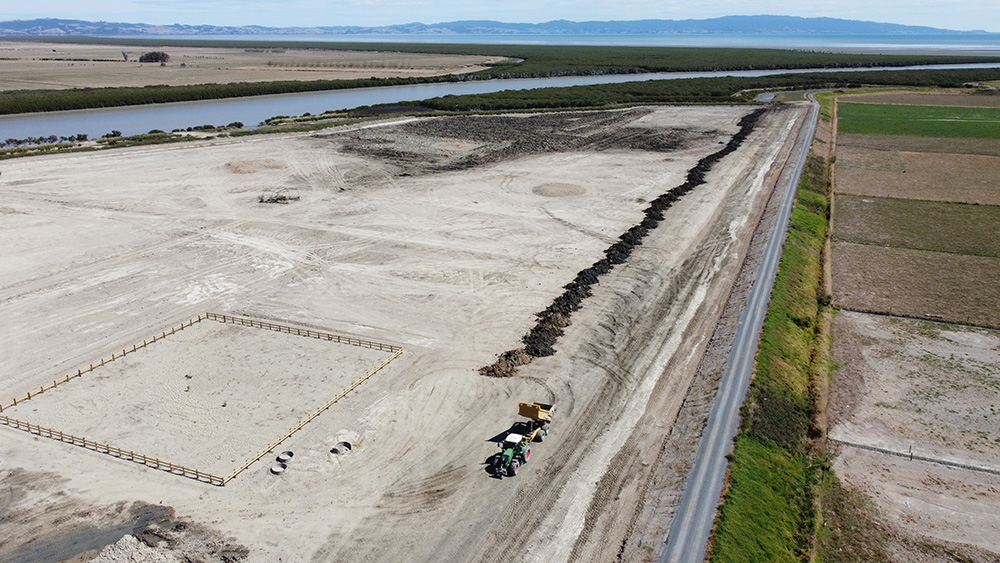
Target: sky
x=948 y=14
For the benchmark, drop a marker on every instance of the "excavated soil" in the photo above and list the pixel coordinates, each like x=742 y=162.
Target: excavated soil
x=444 y=236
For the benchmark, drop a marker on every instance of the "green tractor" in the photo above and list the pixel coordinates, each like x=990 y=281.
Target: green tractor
x=515 y=450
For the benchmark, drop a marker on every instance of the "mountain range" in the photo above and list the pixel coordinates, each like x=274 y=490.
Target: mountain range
x=729 y=25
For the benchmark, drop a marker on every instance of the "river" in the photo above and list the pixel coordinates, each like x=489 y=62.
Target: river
x=133 y=120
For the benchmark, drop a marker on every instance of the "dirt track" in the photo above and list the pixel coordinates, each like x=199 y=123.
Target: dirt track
x=445 y=237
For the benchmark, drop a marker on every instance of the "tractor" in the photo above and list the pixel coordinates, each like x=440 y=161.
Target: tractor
x=515 y=449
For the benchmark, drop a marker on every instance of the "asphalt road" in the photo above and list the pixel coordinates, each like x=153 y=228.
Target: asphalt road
x=692 y=525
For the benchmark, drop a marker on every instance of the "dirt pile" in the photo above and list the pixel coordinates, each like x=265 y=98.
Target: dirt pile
x=426 y=146
x=541 y=339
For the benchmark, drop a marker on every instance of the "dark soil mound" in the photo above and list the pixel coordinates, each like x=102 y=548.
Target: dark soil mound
x=541 y=339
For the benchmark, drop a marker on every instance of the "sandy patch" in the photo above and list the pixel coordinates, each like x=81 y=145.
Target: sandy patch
x=450 y=259
x=932 y=389
x=558 y=189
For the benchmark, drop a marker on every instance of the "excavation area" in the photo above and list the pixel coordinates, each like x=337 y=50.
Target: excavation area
x=444 y=236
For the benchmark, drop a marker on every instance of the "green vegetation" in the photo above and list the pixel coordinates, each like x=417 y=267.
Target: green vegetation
x=769 y=512
x=696 y=90
x=154 y=57
x=761 y=520
x=919 y=225
x=561 y=60
x=151 y=138
x=544 y=61
x=40 y=149
x=921 y=121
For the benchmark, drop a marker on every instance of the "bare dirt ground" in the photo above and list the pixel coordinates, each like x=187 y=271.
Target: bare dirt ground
x=934 y=388
x=917 y=283
x=33 y=66
x=908 y=386
x=945 y=99
x=965 y=178
x=912 y=223
x=919 y=144
x=444 y=236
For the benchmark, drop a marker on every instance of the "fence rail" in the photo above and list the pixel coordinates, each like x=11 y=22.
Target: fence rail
x=99 y=447
x=912 y=456
x=298 y=426
x=174 y=468
x=114 y=356
x=301 y=332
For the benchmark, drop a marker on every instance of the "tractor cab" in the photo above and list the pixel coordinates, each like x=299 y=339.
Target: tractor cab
x=515 y=452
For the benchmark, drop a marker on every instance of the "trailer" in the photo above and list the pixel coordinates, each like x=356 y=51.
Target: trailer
x=515 y=449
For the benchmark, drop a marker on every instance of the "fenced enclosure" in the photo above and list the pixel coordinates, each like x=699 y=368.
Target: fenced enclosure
x=234 y=362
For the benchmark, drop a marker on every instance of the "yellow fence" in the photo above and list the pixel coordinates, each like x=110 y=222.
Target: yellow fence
x=13 y=402
x=301 y=332
x=128 y=455
x=174 y=468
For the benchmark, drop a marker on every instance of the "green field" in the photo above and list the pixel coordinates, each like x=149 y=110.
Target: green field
x=920 y=121
x=955 y=228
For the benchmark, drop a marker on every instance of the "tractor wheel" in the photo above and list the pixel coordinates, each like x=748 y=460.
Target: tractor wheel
x=513 y=468
x=527 y=453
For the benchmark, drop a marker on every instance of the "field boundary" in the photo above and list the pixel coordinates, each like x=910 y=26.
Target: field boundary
x=930 y=317
x=912 y=456
x=156 y=463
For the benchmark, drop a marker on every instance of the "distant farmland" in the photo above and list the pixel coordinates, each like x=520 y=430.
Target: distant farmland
x=922 y=121
x=917 y=233
x=955 y=228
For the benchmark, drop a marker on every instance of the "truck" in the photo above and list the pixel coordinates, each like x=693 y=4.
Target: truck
x=515 y=449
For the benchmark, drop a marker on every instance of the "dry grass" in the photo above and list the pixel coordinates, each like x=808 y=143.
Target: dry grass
x=963 y=178
x=948 y=99
x=921 y=225
x=990 y=147
x=33 y=66
x=915 y=283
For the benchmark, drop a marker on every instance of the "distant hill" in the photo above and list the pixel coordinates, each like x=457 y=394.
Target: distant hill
x=749 y=25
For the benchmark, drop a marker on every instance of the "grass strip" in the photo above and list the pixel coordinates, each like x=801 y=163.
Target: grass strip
x=768 y=512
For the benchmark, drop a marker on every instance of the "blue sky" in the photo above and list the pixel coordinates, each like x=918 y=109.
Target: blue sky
x=949 y=14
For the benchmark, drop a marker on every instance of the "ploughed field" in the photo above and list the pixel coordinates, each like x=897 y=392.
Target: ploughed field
x=915 y=241
x=445 y=236
x=916 y=224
